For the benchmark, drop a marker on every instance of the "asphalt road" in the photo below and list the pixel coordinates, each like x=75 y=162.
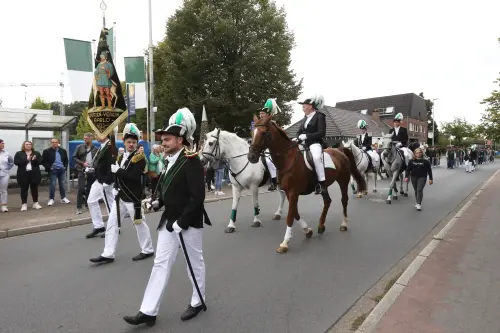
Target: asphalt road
x=48 y=285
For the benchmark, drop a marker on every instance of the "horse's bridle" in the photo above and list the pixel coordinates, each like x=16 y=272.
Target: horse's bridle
x=216 y=151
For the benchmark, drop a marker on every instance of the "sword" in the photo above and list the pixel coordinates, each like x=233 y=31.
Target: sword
x=191 y=271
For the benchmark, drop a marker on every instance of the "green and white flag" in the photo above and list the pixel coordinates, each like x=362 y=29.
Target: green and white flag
x=79 y=65
x=135 y=72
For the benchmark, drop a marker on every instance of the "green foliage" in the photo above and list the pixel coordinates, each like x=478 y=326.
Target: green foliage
x=231 y=56
x=459 y=128
x=83 y=126
x=40 y=104
x=429 y=105
x=490 y=121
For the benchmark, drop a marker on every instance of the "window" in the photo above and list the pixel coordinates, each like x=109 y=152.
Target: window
x=389 y=110
x=421 y=128
x=363 y=111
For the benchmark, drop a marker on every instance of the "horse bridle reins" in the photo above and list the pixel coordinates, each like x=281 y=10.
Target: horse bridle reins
x=217 y=155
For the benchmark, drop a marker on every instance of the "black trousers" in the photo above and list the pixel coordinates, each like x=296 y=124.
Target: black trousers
x=85 y=181
x=29 y=184
x=209 y=178
x=418 y=186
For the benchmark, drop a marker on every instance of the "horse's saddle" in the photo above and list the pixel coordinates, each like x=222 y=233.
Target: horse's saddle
x=327 y=160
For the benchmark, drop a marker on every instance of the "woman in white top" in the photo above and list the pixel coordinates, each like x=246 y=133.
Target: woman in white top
x=6 y=163
x=28 y=163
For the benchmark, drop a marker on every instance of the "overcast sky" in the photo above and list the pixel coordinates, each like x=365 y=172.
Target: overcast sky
x=345 y=49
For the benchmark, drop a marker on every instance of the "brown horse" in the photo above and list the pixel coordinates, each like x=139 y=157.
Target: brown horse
x=295 y=177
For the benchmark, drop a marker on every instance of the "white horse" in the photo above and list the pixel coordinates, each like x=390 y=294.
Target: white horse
x=362 y=163
x=395 y=164
x=228 y=147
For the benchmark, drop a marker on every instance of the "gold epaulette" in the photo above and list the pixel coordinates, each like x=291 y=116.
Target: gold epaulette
x=138 y=157
x=190 y=154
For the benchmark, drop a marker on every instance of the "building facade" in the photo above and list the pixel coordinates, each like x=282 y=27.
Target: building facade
x=383 y=109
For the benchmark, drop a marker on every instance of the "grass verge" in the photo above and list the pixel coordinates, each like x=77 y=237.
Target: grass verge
x=388 y=286
x=358 y=321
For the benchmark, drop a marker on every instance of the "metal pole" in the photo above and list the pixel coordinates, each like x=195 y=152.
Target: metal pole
x=114 y=42
x=151 y=79
x=149 y=101
x=433 y=121
x=61 y=84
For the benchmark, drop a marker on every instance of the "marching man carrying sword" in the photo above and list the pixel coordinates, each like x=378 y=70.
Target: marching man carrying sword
x=128 y=193
x=181 y=190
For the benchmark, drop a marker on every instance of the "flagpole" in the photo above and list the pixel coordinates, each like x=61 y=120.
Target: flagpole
x=151 y=79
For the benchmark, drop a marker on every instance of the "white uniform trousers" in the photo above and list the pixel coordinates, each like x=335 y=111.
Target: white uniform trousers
x=111 y=240
x=97 y=192
x=166 y=253
x=468 y=166
x=317 y=154
x=4 y=184
x=271 y=167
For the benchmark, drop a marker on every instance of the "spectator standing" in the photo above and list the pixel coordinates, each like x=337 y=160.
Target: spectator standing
x=28 y=163
x=83 y=158
x=55 y=162
x=6 y=163
x=418 y=169
x=156 y=165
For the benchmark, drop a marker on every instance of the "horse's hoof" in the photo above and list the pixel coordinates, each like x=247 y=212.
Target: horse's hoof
x=405 y=194
x=354 y=192
x=309 y=233
x=366 y=193
x=395 y=197
x=374 y=191
x=321 y=230
x=256 y=224
x=343 y=228
x=229 y=230
x=359 y=195
x=282 y=249
x=387 y=201
x=276 y=217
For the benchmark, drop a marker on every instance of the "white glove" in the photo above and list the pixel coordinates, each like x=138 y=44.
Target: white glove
x=295 y=139
x=176 y=227
x=302 y=137
x=364 y=148
x=398 y=144
x=115 y=192
x=155 y=204
x=114 y=168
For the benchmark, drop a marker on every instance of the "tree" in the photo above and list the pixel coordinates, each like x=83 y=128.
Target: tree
x=429 y=105
x=490 y=120
x=229 y=55
x=83 y=126
x=459 y=128
x=40 y=104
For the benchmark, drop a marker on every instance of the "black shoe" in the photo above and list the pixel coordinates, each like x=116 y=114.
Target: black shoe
x=271 y=187
x=101 y=260
x=95 y=232
x=142 y=256
x=191 y=312
x=140 y=318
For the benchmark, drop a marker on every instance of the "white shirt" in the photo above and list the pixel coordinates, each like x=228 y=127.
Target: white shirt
x=6 y=163
x=309 y=117
x=88 y=157
x=124 y=159
x=362 y=136
x=396 y=130
x=171 y=159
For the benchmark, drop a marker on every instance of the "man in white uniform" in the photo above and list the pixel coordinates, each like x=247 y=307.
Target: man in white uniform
x=270 y=165
x=128 y=189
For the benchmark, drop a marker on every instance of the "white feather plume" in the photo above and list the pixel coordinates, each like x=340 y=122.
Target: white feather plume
x=188 y=123
x=319 y=100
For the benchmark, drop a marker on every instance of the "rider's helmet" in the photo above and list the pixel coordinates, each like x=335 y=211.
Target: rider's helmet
x=362 y=124
x=317 y=101
x=398 y=118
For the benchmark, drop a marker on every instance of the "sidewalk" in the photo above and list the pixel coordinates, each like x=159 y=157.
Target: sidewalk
x=61 y=215
x=457 y=288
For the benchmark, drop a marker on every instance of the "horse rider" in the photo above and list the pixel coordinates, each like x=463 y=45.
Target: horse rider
x=311 y=132
x=264 y=112
x=400 y=135
x=364 y=142
x=128 y=190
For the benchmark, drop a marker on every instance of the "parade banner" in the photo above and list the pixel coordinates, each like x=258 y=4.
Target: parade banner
x=111 y=42
x=107 y=107
x=79 y=65
x=135 y=72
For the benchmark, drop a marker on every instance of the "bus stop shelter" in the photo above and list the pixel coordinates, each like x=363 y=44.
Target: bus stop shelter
x=37 y=120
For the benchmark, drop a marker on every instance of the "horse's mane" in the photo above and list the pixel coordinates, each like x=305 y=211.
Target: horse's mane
x=233 y=140
x=280 y=130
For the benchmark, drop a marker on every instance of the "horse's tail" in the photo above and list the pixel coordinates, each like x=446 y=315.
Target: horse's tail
x=360 y=180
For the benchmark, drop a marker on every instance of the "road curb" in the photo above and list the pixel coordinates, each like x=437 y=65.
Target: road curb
x=391 y=296
x=78 y=222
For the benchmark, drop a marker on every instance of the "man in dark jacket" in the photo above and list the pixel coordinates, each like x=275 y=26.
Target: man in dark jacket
x=128 y=186
x=83 y=157
x=55 y=162
x=182 y=192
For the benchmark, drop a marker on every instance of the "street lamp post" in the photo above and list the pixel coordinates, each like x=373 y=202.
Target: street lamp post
x=433 y=121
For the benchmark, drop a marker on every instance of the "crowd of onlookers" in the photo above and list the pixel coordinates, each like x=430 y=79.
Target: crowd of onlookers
x=55 y=161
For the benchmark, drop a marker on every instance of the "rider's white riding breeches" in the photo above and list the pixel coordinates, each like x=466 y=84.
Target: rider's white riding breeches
x=271 y=167
x=317 y=154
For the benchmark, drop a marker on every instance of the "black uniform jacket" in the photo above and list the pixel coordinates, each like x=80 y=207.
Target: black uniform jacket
x=367 y=142
x=182 y=192
x=102 y=164
x=401 y=137
x=129 y=177
x=315 y=130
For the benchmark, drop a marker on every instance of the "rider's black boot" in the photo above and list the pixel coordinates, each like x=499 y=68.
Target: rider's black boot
x=273 y=186
x=321 y=188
